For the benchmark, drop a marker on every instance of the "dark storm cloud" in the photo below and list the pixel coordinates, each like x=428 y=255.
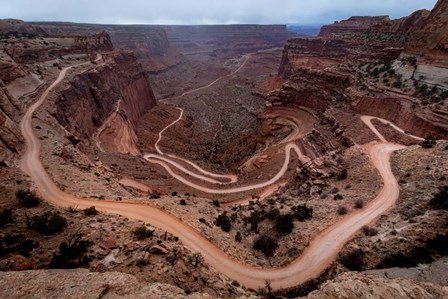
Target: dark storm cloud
x=205 y=12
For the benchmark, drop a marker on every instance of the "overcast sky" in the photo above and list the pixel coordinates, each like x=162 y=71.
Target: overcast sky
x=205 y=11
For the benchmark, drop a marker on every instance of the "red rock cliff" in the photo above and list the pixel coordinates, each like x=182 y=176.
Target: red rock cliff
x=93 y=95
x=353 y=24
x=432 y=39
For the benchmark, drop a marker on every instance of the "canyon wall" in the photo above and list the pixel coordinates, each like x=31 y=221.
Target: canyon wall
x=430 y=43
x=149 y=43
x=242 y=38
x=409 y=24
x=353 y=25
x=93 y=95
x=38 y=49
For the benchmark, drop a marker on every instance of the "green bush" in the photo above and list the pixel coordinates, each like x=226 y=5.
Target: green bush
x=142 y=232
x=182 y=202
x=27 y=199
x=429 y=142
x=72 y=254
x=17 y=244
x=338 y=197
x=254 y=219
x=266 y=244
x=284 y=224
x=92 y=211
x=223 y=221
x=238 y=237
x=49 y=223
x=342 y=175
x=354 y=260
x=440 y=199
x=302 y=212
x=5 y=217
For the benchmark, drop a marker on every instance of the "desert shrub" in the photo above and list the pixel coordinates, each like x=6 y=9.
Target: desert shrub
x=397 y=84
x=254 y=219
x=439 y=244
x=174 y=193
x=273 y=214
x=223 y=221
x=354 y=260
x=397 y=260
x=444 y=95
x=429 y=142
x=72 y=254
x=92 y=211
x=440 y=199
x=182 y=202
x=72 y=209
x=358 y=203
x=302 y=212
x=49 y=223
x=238 y=237
x=154 y=195
x=17 y=244
x=142 y=232
x=342 y=210
x=216 y=203
x=284 y=224
x=266 y=244
x=369 y=231
x=271 y=201
x=27 y=199
x=338 y=197
x=342 y=175
x=5 y=217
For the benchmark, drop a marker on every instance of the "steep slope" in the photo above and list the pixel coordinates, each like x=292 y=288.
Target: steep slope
x=93 y=96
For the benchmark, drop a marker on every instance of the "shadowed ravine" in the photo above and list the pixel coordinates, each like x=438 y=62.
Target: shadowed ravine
x=321 y=252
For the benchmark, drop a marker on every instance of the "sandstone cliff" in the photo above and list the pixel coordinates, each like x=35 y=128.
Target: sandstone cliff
x=353 y=24
x=149 y=43
x=409 y=24
x=34 y=50
x=432 y=39
x=234 y=38
x=11 y=140
x=94 y=95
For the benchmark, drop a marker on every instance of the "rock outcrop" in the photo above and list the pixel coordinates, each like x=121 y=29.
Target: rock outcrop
x=11 y=27
x=94 y=95
x=409 y=24
x=352 y=25
x=432 y=39
x=356 y=285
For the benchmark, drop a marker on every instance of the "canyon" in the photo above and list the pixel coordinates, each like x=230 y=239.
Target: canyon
x=232 y=161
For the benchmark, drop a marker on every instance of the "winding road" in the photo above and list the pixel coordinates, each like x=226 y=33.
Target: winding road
x=320 y=253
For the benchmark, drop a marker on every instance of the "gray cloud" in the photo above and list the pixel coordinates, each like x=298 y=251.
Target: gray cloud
x=205 y=12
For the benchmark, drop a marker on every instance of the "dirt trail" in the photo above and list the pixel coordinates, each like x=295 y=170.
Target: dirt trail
x=321 y=252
